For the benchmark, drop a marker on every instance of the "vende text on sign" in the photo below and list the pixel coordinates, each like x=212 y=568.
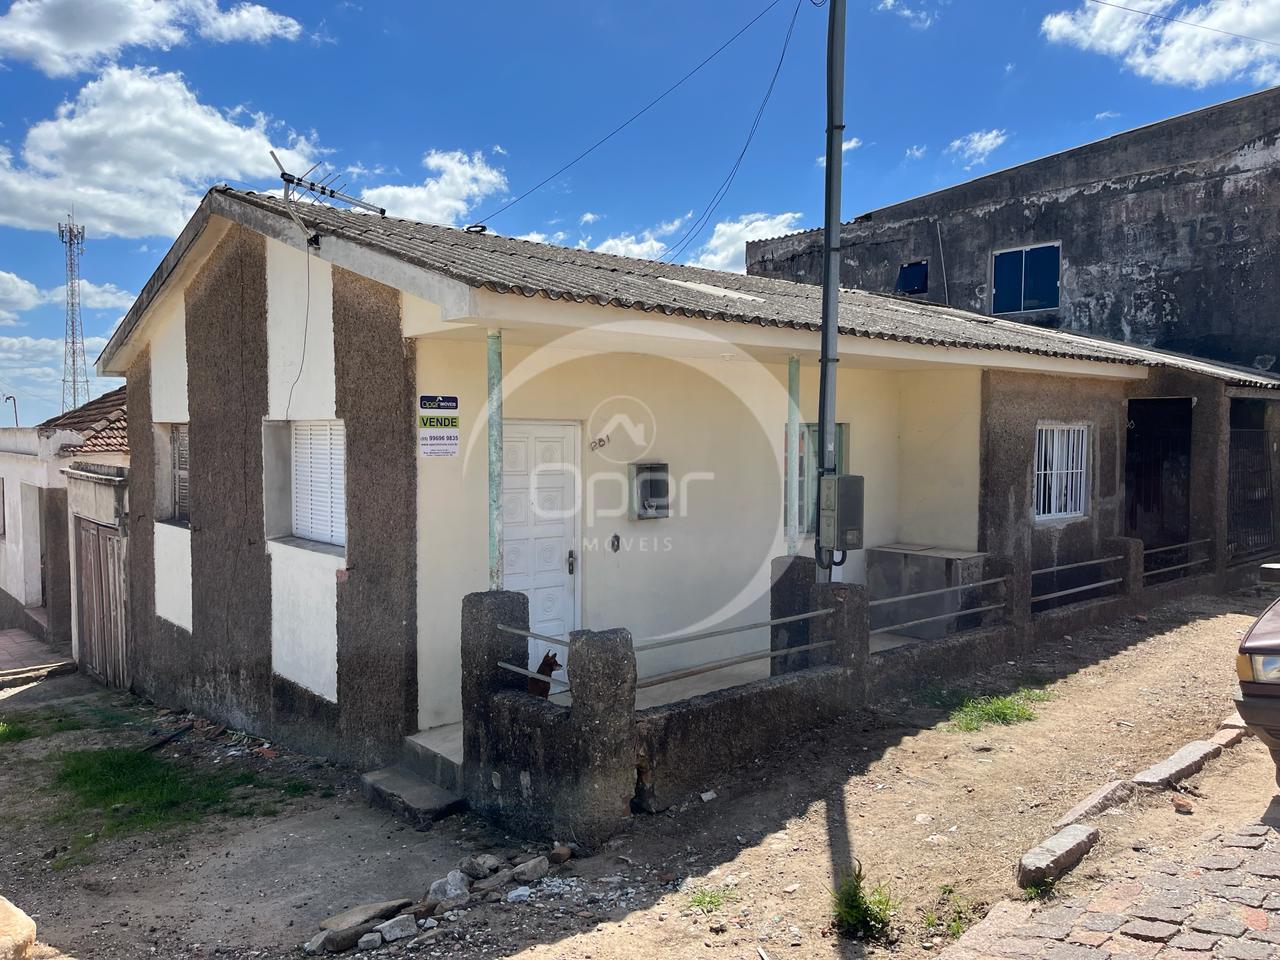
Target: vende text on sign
x=439 y=429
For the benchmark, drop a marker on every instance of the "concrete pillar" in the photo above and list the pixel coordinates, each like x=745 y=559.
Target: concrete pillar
x=790 y=588
x=848 y=625
x=1272 y=425
x=483 y=648
x=1016 y=594
x=1130 y=568
x=791 y=459
x=1210 y=469
x=602 y=668
x=493 y=343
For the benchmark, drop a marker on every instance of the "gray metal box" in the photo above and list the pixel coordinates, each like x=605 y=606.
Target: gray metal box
x=840 y=512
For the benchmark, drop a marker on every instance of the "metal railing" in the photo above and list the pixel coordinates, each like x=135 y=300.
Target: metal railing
x=522 y=632
x=529 y=673
x=516 y=631
x=932 y=593
x=1080 y=588
x=1182 y=569
x=685 y=673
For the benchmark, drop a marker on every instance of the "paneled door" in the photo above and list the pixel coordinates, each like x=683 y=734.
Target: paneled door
x=541 y=556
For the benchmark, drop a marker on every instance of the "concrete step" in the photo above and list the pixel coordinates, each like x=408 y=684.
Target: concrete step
x=436 y=756
x=409 y=797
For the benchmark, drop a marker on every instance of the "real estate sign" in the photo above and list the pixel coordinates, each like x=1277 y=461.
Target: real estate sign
x=439 y=425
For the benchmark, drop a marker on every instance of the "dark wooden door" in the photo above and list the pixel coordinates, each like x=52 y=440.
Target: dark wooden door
x=102 y=604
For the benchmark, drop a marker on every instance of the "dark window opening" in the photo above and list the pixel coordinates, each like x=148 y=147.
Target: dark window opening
x=1026 y=279
x=913 y=278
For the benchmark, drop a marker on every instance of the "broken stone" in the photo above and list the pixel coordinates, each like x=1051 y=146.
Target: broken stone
x=519 y=895
x=1232 y=721
x=499 y=879
x=1220 y=861
x=1149 y=930
x=1223 y=926
x=1244 y=950
x=370 y=941
x=1190 y=759
x=532 y=871
x=560 y=854
x=1249 y=843
x=708 y=796
x=316 y=944
x=363 y=914
x=1108 y=795
x=423 y=908
x=1182 y=805
x=491 y=863
x=1227 y=737
x=397 y=928
x=450 y=887
x=473 y=868
x=1193 y=941
x=791 y=888
x=1264 y=865
x=1057 y=855
x=339 y=941
x=1156 y=911
x=430 y=923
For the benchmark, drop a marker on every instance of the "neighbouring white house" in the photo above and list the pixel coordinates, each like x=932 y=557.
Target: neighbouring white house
x=36 y=587
x=342 y=424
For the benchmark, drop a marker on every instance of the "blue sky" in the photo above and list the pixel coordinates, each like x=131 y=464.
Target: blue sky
x=130 y=109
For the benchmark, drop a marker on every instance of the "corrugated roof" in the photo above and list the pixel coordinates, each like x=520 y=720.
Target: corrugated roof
x=523 y=267
x=102 y=423
x=507 y=265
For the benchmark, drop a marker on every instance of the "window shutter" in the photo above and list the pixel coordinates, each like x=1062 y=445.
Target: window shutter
x=181 y=444
x=320 y=481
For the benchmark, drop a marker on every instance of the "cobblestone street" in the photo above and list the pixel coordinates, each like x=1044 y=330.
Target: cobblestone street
x=1223 y=902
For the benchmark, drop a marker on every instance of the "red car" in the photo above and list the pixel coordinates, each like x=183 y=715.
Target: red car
x=1258 y=666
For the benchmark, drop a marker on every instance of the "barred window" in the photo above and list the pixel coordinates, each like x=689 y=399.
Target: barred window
x=1062 y=470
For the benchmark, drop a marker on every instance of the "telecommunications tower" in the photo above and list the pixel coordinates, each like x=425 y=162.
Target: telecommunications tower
x=75 y=375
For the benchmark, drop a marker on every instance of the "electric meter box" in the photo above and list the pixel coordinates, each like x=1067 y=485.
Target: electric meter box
x=840 y=512
x=650 y=491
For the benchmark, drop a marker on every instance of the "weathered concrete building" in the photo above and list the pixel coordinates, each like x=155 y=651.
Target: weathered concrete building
x=1165 y=236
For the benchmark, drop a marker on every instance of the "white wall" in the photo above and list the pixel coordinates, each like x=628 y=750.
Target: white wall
x=292 y=315
x=304 y=616
x=24 y=475
x=939 y=457
x=169 y=362
x=173 y=573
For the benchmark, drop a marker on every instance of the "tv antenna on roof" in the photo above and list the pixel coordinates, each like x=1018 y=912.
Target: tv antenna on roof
x=319 y=188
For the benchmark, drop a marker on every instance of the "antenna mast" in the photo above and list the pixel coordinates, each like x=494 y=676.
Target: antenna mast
x=75 y=373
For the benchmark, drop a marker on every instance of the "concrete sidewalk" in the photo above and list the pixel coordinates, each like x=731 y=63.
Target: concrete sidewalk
x=24 y=659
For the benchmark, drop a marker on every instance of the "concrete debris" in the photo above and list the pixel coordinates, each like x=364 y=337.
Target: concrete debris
x=1108 y=795
x=709 y=796
x=370 y=941
x=499 y=879
x=315 y=945
x=1056 y=856
x=1190 y=759
x=519 y=895
x=363 y=914
x=397 y=928
x=473 y=868
x=450 y=887
x=532 y=871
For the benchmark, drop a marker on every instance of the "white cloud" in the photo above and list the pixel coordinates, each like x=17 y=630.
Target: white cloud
x=1010 y=67
x=916 y=151
x=31 y=368
x=499 y=150
x=1106 y=115
x=536 y=236
x=974 y=148
x=133 y=152
x=920 y=15
x=1178 y=53
x=62 y=37
x=853 y=143
x=647 y=244
x=587 y=218
x=461 y=180
x=18 y=295
x=727 y=248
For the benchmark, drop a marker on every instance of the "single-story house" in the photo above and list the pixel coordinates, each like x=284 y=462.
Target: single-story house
x=341 y=424
x=37 y=591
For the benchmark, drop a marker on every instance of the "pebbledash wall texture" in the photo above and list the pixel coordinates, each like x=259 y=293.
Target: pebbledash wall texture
x=222 y=668
x=1169 y=235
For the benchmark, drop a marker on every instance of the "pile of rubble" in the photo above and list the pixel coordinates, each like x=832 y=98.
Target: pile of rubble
x=478 y=879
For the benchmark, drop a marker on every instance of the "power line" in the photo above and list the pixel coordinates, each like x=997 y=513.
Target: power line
x=1185 y=23
x=722 y=191
x=631 y=119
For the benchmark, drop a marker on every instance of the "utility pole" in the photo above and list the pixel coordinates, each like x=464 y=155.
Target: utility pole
x=831 y=262
x=75 y=375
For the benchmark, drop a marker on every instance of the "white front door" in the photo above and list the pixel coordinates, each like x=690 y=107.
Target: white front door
x=540 y=552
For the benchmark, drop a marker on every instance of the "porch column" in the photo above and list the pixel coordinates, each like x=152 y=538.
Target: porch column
x=494 y=353
x=791 y=460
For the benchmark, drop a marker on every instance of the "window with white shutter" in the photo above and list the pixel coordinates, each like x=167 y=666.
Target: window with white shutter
x=319 y=481
x=1062 y=471
x=180 y=446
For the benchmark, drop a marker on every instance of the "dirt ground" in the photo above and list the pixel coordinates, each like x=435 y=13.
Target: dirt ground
x=940 y=816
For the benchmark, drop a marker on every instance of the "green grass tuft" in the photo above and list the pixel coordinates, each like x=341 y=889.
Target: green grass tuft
x=1038 y=891
x=860 y=911
x=709 y=901
x=13 y=732
x=978 y=712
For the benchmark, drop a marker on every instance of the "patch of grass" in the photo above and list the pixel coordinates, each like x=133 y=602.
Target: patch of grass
x=296 y=788
x=709 y=900
x=1038 y=891
x=944 y=698
x=950 y=916
x=1005 y=710
x=13 y=732
x=860 y=910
